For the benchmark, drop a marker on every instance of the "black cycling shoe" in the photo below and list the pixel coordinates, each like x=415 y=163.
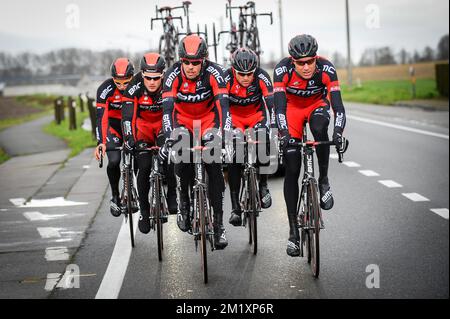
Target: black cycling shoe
x=326 y=197
x=264 y=194
x=115 y=206
x=172 y=204
x=293 y=245
x=220 y=240
x=144 y=222
x=236 y=218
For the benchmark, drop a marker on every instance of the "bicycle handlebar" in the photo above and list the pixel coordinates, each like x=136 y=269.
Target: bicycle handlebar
x=311 y=144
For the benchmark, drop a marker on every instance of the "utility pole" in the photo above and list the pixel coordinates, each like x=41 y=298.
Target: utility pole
x=281 y=29
x=349 y=58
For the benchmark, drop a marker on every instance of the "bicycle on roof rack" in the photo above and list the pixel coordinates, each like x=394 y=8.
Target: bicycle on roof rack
x=245 y=34
x=168 y=42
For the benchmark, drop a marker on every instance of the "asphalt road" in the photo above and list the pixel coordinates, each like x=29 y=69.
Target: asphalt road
x=372 y=228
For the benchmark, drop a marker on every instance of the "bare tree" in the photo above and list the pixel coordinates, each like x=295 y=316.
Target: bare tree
x=442 y=50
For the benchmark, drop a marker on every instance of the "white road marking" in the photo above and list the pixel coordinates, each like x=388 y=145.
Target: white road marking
x=51 y=202
x=3 y=210
x=334 y=156
x=118 y=264
x=390 y=184
x=443 y=212
x=86 y=166
x=415 y=197
x=37 y=216
x=351 y=164
x=399 y=127
x=369 y=173
x=52 y=280
x=17 y=201
x=56 y=253
x=49 y=232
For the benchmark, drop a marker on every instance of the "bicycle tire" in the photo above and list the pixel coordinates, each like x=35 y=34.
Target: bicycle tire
x=201 y=207
x=157 y=193
x=253 y=212
x=129 y=186
x=315 y=230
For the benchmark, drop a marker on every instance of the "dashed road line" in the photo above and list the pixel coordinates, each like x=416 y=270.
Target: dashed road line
x=390 y=184
x=369 y=173
x=351 y=164
x=443 y=212
x=49 y=232
x=56 y=253
x=37 y=216
x=415 y=197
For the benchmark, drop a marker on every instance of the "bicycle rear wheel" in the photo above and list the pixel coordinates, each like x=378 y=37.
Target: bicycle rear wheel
x=129 y=192
x=314 y=230
x=202 y=212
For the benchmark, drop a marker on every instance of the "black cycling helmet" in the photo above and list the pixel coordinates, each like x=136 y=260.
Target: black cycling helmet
x=193 y=47
x=244 y=60
x=122 y=68
x=303 y=46
x=153 y=63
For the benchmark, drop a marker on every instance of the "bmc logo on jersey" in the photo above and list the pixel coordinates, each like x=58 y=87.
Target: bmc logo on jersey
x=329 y=69
x=134 y=88
x=241 y=101
x=216 y=74
x=105 y=92
x=303 y=93
x=172 y=77
x=281 y=70
x=265 y=79
x=194 y=97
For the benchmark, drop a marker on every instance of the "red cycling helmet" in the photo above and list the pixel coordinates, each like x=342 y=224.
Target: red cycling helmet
x=193 y=47
x=153 y=63
x=122 y=68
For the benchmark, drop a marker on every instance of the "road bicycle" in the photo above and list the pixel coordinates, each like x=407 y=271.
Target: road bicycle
x=129 y=201
x=309 y=213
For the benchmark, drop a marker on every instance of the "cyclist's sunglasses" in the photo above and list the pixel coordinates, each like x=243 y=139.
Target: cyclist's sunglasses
x=118 y=81
x=243 y=74
x=303 y=63
x=193 y=62
x=154 y=78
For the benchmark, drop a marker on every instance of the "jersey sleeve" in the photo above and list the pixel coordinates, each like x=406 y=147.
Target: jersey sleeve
x=221 y=97
x=330 y=79
x=267 y=90
x=169 y=94
x=104 y=91
x=280 y=81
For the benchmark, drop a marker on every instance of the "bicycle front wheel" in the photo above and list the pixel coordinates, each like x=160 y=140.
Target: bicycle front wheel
x=129 y=192
x=159 y=234
x=202 y=213
x=314 y=229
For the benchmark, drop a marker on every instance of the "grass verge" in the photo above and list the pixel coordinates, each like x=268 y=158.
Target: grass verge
x=78 y=139
x=389 y=92
x=3 y=156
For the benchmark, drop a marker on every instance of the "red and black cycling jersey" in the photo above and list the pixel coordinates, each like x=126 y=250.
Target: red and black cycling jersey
x=205 y=98
x=142 y=111
x=247 y=101
x=109 y=110
x=291 y=90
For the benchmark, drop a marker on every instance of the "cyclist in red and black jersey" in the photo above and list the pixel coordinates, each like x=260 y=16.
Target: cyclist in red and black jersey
x=109 y=130
x=195 y=90
x=251 y=106
x=305 y=86
x=142 y=127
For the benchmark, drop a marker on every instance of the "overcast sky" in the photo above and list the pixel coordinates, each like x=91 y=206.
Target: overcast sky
x=44 y=25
